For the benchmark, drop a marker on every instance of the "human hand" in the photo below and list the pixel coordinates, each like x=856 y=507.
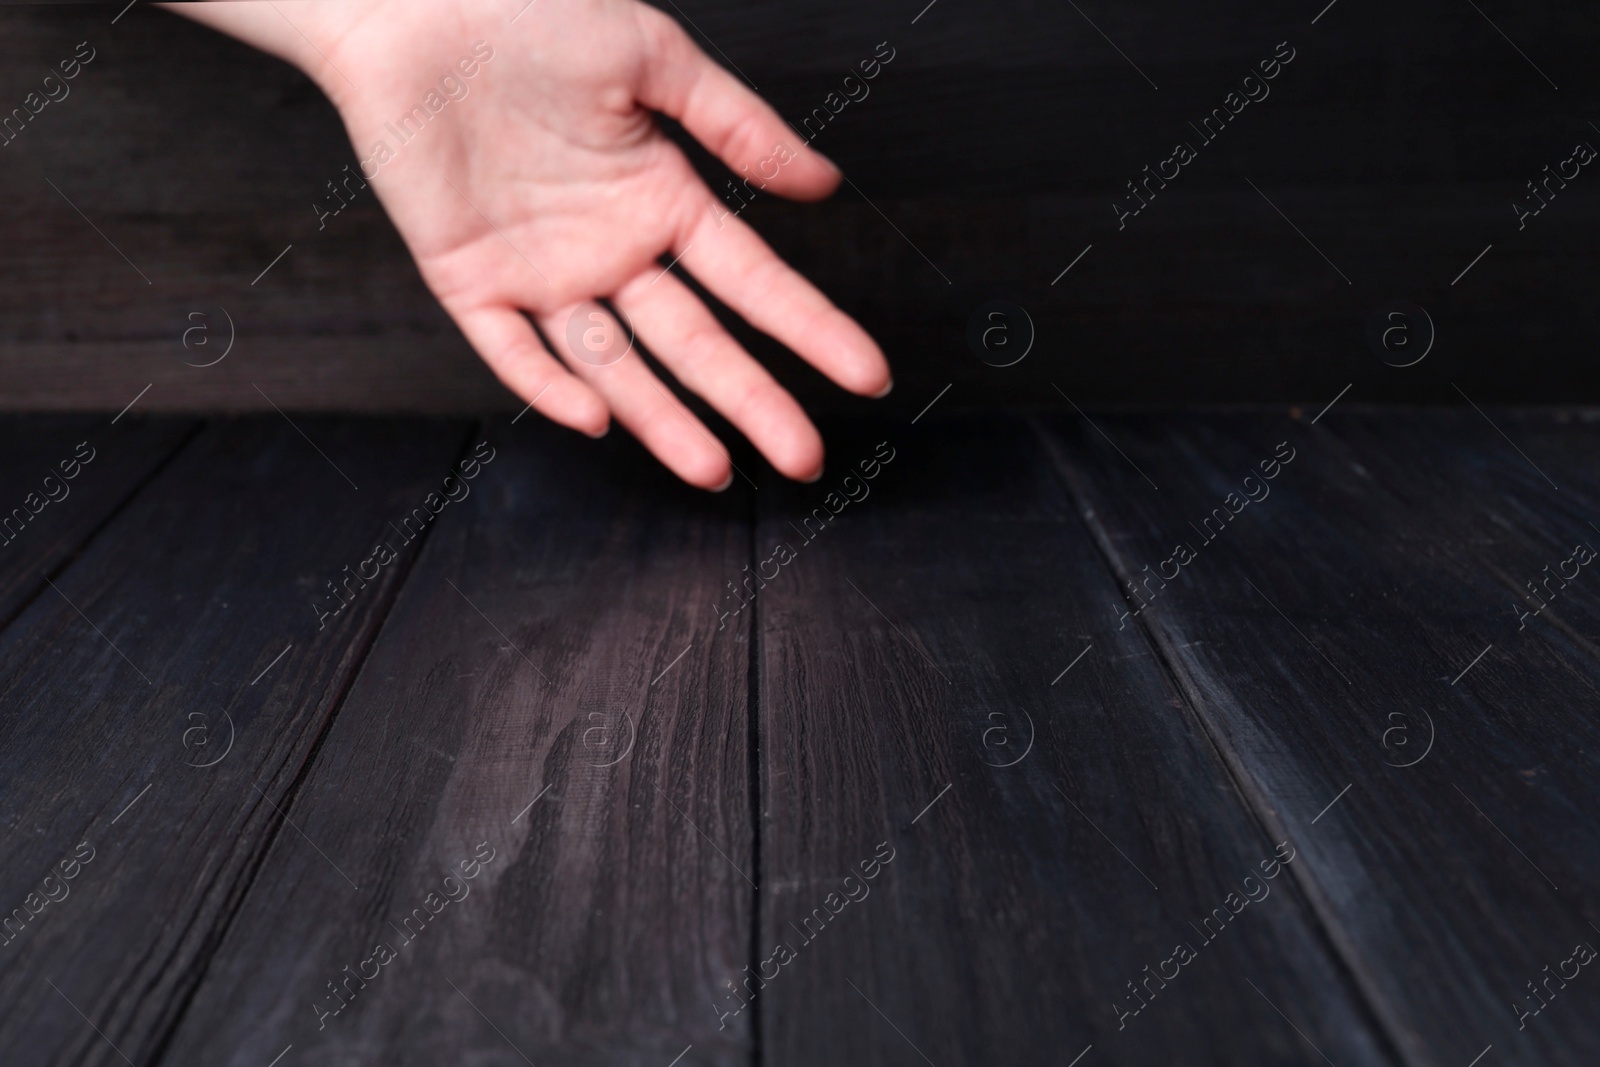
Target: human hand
x=548 y=184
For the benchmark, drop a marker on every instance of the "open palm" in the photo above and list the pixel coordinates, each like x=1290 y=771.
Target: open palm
x=548 y=184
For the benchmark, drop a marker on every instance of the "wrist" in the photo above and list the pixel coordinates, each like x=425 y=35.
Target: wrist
x=321 y=31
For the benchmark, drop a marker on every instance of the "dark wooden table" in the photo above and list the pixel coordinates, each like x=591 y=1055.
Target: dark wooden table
x=306 y=762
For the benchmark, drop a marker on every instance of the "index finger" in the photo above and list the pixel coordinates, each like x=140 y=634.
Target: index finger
x=730 y=259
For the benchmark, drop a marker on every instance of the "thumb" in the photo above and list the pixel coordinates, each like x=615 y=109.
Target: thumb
x=730 y=120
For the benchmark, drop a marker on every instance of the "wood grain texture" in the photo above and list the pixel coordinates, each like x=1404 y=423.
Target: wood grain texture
x=198 y=159
x=162 y=648
x=35 y=543
x=942 y=670
x=553 y=686
x=929 y=634
x=1331 y=633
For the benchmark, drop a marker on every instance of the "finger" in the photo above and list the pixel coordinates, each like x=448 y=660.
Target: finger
x=735 y=124
x=732 y=261
x=509 y=346
x=684 y=335
x=641 y=403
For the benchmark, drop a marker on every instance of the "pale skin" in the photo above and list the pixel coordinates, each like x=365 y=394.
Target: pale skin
x=549 y=185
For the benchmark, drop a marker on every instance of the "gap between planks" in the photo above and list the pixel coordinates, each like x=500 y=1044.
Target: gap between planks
x=362 y=650
x=1251 y=799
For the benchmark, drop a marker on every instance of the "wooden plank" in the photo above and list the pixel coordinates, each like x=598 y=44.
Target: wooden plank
x=928 y=635
x=342 y=321
x=553 y=688
x=1349 y=642
x=46 y=516
x=160 y=701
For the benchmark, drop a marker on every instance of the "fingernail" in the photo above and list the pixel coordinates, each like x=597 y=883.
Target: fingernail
x=724 y=486
x=603 y=431
x=886 y=390
x=817 y=477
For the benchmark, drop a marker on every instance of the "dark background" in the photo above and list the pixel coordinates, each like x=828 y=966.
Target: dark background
x=996 y=142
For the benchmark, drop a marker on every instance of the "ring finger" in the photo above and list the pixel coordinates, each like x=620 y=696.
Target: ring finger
x=601 y=357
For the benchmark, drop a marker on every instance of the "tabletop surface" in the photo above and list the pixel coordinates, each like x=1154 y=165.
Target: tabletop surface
x=1255 y=736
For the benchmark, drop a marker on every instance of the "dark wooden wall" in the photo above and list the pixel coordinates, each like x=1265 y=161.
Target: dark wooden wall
x=996 y=142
